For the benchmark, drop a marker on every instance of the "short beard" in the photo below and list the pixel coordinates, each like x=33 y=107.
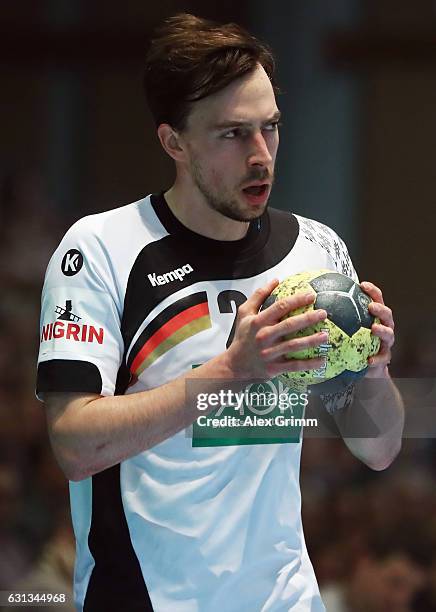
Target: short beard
x=227 y=207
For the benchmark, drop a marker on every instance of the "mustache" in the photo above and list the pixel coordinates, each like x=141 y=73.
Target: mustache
x=259 y=175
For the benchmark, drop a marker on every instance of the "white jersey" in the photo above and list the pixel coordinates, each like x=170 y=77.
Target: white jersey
x=133 y=299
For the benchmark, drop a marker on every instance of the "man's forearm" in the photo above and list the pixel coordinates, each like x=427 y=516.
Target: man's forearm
x=377 y=402
x=94 y=433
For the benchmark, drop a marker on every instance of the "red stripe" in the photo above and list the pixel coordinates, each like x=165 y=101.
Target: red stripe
x=171 y=326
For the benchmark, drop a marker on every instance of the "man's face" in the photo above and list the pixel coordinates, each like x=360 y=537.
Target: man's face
x=232 y=140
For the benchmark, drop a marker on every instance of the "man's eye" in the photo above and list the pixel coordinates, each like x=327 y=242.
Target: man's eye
x=232 y=134
x=241 y=133
x=272 y=127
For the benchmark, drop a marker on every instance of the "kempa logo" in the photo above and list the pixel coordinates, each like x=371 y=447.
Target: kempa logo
x=72 y=262
x=169 y=277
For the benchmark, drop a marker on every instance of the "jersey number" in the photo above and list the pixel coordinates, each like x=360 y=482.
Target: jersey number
x=228 y=303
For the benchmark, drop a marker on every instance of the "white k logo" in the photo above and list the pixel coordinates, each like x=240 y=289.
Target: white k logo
x=72 y=262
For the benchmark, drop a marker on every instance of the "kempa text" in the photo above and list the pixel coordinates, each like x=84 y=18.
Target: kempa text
x=171 y=276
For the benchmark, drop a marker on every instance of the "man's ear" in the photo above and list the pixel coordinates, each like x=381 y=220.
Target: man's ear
x=171 y=142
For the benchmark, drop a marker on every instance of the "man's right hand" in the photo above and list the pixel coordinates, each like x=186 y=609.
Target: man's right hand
x=259 y=346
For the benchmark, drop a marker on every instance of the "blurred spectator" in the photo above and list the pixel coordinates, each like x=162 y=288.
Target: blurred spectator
x=387 y=577
x=345 y=504
x=426 y=600
x=15 y=552
x=31 y=227
x=52 y=572
x=417 y=358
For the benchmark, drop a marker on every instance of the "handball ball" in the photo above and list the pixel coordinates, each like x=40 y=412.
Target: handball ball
x=348 y=325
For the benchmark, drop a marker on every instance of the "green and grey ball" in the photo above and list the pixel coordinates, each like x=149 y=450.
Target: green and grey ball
x=348 y=325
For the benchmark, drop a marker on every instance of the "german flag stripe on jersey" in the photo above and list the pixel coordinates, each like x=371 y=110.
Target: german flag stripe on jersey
x=176 y=323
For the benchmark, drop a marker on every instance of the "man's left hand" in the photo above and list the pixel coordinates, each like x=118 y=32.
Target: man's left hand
x=378 y=364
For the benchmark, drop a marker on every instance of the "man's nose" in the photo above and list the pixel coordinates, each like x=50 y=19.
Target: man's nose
x=259 y=152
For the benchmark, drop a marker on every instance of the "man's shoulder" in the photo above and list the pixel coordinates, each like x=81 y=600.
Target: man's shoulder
x=308 y=229
x=326 y=238
x=116 y=219
x=319 y=238
x=123 y=229
x=111 y=239
x=315 y=231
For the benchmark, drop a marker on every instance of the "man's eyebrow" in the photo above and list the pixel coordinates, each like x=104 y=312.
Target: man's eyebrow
x=233 y=124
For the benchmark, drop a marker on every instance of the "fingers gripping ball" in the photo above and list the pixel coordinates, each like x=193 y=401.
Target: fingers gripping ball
x=348 y=325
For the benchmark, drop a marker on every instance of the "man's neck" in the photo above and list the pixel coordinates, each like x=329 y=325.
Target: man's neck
x=193 y=212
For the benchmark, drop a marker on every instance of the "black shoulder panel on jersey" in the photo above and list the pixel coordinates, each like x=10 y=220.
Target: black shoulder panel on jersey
x=183 y=258
x=65 y=375
x=116 y=581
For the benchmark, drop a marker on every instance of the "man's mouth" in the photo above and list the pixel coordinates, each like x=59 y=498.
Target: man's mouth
x=256 y=195
x=256 y=190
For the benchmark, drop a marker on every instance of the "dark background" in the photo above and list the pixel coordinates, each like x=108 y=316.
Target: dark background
x=357 y=152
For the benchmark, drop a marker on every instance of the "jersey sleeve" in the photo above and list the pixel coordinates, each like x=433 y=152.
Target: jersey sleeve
x=81 y=345
x=329 y=241
x=341 y=258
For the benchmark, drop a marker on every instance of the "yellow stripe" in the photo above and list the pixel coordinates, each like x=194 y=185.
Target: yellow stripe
x=188 y=330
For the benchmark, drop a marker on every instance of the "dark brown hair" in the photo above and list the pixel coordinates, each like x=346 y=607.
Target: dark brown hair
x=191 y=58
